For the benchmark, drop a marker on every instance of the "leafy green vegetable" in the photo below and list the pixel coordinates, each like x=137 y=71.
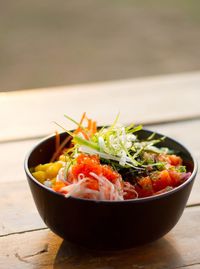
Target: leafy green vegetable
x=120 y=147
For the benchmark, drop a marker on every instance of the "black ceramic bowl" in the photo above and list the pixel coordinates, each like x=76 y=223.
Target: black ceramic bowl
x=109 y=224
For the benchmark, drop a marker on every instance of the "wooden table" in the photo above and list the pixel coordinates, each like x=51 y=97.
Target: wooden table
x=167 y=104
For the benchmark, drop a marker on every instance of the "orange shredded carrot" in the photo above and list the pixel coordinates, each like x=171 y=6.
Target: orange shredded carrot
x=94 y=127
x=82 y=118
x=80 y=129
x=80 y=123
x=86 y=136
x=89 y=124
x=91 y=130
x=60 y=148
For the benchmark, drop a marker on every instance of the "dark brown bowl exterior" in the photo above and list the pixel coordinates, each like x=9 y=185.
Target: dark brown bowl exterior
x=106 y=224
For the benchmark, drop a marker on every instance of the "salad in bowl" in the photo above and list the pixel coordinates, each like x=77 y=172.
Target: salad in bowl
x=111 y=163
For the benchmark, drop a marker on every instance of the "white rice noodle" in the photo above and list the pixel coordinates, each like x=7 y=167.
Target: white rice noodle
x=107 y=190
x=77 y=189
x=60 y=176
x=128 y=187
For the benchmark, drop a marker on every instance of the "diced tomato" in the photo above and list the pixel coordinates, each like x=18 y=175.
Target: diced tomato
x=145 y=187
x=175 y=177
x=161 y=180
x=129 y=195
x=174 y=160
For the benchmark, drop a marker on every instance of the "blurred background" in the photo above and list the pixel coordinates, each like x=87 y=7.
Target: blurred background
x=51 y=43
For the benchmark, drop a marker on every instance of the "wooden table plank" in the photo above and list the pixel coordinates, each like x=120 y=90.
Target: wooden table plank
x=178 y=249
x=186 y=132
x=12 y=159
x=18 y=211
x=30 y=113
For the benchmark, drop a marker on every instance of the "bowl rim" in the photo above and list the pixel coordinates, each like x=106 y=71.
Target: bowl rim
x=144 y=199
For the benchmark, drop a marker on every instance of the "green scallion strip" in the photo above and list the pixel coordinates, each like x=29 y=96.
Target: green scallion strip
x=83 y=142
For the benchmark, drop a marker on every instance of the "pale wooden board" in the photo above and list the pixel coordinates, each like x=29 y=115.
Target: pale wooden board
x=187 y=132
x=178 y=249
x=31 y=113
x=18 y=211
x=12 y=159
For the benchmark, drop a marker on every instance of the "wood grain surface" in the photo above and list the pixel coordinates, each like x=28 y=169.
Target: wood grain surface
x=32 y=113
x=168 y=104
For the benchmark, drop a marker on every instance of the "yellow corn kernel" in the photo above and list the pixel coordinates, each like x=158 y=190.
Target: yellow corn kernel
x=42 y=167
x=62 y=158
x=40 y=176
x=53 y=169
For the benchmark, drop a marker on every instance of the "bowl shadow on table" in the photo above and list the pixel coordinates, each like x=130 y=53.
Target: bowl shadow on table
x=159 y=254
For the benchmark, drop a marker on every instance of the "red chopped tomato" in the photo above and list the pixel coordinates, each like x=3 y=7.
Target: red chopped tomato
x=174 y=160
x=175 y=177
x=145 y=187
x=161 y=180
